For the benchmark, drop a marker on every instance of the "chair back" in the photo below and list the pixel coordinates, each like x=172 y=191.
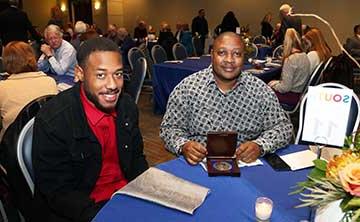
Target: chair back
x=259 y=39
x=137 y=79
x=251 y=51
x=133 y=55
x=158 y=54
x=197 y=45
x=278 y=51
x=353 y=118
x=22 y=192
x=24 y=153
x=144 y=48
x=179 y=51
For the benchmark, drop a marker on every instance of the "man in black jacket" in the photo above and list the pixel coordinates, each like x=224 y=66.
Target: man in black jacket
x=200 y=28
x=15 y=25
x=87 y=143
x=287 y=21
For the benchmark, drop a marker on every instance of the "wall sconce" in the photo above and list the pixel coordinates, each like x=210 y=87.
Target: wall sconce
x=97 y=5
x=63 y=7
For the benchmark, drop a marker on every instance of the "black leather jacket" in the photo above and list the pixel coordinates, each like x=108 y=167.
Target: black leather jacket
x=67 y=156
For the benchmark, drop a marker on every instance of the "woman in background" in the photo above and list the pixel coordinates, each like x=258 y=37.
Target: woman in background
x=295 y=72
x=318 y=49
x=266 y=27
x=23 y=85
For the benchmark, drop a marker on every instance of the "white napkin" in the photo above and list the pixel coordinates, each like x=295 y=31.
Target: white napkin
x=174 y=61
x=240 y=164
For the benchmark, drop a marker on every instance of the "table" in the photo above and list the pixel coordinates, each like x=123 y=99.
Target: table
x=167 y=75
x=63 y=79
x=231 y=198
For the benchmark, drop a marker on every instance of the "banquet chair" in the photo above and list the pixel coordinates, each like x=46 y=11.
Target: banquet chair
x=149 y=62
x=278 y=51
x=312 y=81
x=196 y=41
x=133 y=55
x=353 y=117
x=158 y=54
x=251 y=51
x=179 y=51
x=22 y=193
x=259 y=39
x=24 y=148
x=137 y=80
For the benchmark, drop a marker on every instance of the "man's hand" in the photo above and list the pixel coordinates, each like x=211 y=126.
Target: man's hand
x=193 y=152
x=46 y=49
x=248 y=152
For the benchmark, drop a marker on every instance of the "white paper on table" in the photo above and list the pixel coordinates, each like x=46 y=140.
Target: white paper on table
x=255 y=71
x=174 y=61
x=272 y=64
x=166 y=189
x=63 y=86
x=299 y=160
x=240 y=164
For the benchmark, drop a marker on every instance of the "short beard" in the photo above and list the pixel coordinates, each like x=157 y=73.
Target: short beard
x=93 y=99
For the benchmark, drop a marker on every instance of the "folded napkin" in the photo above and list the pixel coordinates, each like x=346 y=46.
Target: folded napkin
x=174 y=61
x=273 y=64
x=255 y=71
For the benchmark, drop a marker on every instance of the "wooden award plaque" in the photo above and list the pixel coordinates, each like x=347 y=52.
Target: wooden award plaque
x=221 y=159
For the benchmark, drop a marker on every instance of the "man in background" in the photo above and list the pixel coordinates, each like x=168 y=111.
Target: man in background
x=287 y=21
x=58 y=56
x=200 y=28
x=15 y=25
x=353 y=44
x=223 y=98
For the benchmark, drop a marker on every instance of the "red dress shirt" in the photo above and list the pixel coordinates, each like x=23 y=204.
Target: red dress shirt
x=102 y=124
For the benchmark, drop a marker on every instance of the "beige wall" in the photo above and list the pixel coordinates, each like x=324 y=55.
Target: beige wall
x=100 y=17
x=38 y=11
x=343 y=15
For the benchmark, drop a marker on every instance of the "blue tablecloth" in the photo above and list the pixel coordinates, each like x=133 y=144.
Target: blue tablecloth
x=167 y=75
x=230 y=198
x=63 y=79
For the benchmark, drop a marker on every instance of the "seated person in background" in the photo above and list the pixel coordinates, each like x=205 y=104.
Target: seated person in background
x=58 y=56
x=126 y=44
x=79 y=29
x=23 y=85
x=167 y=40
x=151 y=34
x=186 y=39
x=222 y=98
x=353 y=44
x=87 y=143
x=112 y=34
x=295 y=71
x=140 y=32
x=318 y=49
